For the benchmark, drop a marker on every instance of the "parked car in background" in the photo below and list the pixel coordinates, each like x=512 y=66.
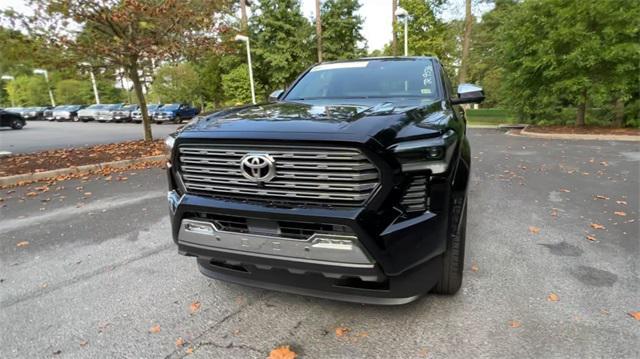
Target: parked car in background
x=105 y=114
x=11 y=119
x=67 y=113
x=90 y=113
x=48 y=114
x=136 y=116
x=174 y=112
x=123 y=114
x=34 y=113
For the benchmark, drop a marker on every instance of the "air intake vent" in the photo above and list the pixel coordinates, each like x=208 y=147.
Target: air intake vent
x=415 y=197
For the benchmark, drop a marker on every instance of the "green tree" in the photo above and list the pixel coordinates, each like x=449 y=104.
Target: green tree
x=236 y=86
x=28 y=91
x=281 y=42
x=176 y=83
x=341 y=30
x=73 y=92
x=428 y=35
x=558 y=53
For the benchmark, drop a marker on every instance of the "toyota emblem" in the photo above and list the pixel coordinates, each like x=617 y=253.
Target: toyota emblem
x=258 y=167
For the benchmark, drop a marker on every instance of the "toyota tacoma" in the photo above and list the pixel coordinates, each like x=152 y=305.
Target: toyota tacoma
x=350 y=185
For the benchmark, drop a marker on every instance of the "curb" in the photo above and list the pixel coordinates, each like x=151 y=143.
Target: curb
x=85 y=169
x=482 y=126
x=566 y=136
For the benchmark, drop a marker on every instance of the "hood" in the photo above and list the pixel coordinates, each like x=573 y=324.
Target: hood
x=322 y=120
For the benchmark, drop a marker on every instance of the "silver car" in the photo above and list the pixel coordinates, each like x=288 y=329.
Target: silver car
x=90 y=113
x=106 y=113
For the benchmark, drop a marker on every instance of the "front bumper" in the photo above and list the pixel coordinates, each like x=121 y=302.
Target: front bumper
x=402 y=261
x=163 y=118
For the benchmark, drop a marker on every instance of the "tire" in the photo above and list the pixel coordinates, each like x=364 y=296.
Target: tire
x=84 y=120
x=75 y=119
x=453 y=259
x=17 y=124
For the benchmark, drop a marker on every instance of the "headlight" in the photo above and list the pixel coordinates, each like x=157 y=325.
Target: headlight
x=432 y=154
x=168 y=142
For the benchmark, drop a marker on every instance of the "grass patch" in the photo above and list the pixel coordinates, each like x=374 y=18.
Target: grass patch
x=489 y=116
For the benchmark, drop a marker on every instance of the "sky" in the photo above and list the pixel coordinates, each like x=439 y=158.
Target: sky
x=376 y=14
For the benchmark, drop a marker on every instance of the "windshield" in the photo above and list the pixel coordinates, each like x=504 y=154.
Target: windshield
x=113 y=107
x=95 y=107
x=367 y=79
x=153 y=106
x=130 y=107
x=171 y=106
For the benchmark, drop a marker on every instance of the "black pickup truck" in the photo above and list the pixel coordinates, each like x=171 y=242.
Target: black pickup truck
x=349 y=185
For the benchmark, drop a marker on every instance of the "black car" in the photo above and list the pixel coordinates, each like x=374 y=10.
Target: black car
x=350 y=185
x=12 y=119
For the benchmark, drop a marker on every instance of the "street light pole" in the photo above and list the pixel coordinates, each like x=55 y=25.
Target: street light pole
x=46 y=78
x=246 y=40
x=402 y=14
x=406 y=40
x=9 y=78
x=93 y=81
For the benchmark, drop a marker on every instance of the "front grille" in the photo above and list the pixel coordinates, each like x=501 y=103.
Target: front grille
x=415 y=196
x=284 y=229
x=309 y=176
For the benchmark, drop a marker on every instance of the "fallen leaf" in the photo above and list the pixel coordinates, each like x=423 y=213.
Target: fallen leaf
x=474 y=267
x=534 y=230
x=635 y=315
x=283 y=352
x=22 y=244
x=194 y=306
x=32 y=194
x=515 y=324
x=88 y=193
x=597 y=226
x=620 y=213
x=553 y=297
x=554 y=212
x=84 y=343
x=179 y=342
x=341 y=331
x=564 y=190
x=189 y=351
x=155 y=329
x=591 y=238
x=599 y=196
x=622 y=202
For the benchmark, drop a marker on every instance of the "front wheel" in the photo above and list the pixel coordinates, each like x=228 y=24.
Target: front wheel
x=75 y=119
x=17 y=124
x=453 y=259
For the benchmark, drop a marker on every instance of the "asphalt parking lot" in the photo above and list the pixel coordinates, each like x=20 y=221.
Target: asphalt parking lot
x=44 y=135
x=100 y=276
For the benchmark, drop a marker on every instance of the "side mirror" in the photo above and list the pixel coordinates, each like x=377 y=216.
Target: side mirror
x=275 y=95
x=468 y=93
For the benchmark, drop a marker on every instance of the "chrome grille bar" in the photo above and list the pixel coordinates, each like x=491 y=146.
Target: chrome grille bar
x=309 y=175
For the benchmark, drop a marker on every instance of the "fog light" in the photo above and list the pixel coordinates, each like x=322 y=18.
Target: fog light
x=434 y=152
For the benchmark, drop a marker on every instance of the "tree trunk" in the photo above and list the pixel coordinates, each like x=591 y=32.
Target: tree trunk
x=394 y=39
x=319 y=30
x=244 y=25
x=466 y=42
x=137 y=86
x=582 y=109
x=618 y=110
